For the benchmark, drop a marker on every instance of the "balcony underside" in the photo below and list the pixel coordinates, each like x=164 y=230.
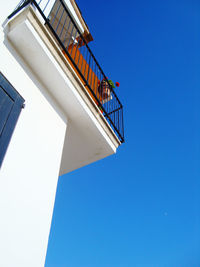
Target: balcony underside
x=89 y=137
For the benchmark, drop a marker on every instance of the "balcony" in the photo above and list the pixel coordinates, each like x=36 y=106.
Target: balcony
x=72 y=40
x=73 y=44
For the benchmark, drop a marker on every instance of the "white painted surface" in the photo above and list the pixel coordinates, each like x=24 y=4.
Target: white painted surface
x=28 y=181
x=29 y=173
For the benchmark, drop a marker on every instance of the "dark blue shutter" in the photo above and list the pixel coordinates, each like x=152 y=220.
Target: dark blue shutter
x=11 y=104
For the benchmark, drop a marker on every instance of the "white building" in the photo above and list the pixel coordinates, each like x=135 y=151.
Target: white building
x=58 y=112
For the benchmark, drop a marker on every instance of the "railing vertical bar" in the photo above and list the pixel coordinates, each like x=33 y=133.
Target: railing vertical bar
x=65 y=38
x=86 y=61
x=70 y=37
x=20 y=3
x=56 y=14
x=121 y=131
x=115 y=122
x=79 y=56
x=118 y=119
x=89 y=67
x=74 y=41
x=114 y=112
x=106 y=104
x=76 y=50
x=59 y=20
x=99 y=91
x=100 y=78
x=82 y=58
x=46 y=5
x=96 y=80
x=90 y=74
x=63 y=26
x=93 y=78
x=113 y=108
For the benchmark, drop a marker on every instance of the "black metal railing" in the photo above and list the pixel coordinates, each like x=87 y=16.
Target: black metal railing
x=69 y=36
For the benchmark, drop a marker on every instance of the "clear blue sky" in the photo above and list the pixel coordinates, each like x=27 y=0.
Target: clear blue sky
x=140 y=207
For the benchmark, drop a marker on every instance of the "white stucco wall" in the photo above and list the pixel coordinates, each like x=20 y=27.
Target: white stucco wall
x=57 y=114
x=29 y=173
